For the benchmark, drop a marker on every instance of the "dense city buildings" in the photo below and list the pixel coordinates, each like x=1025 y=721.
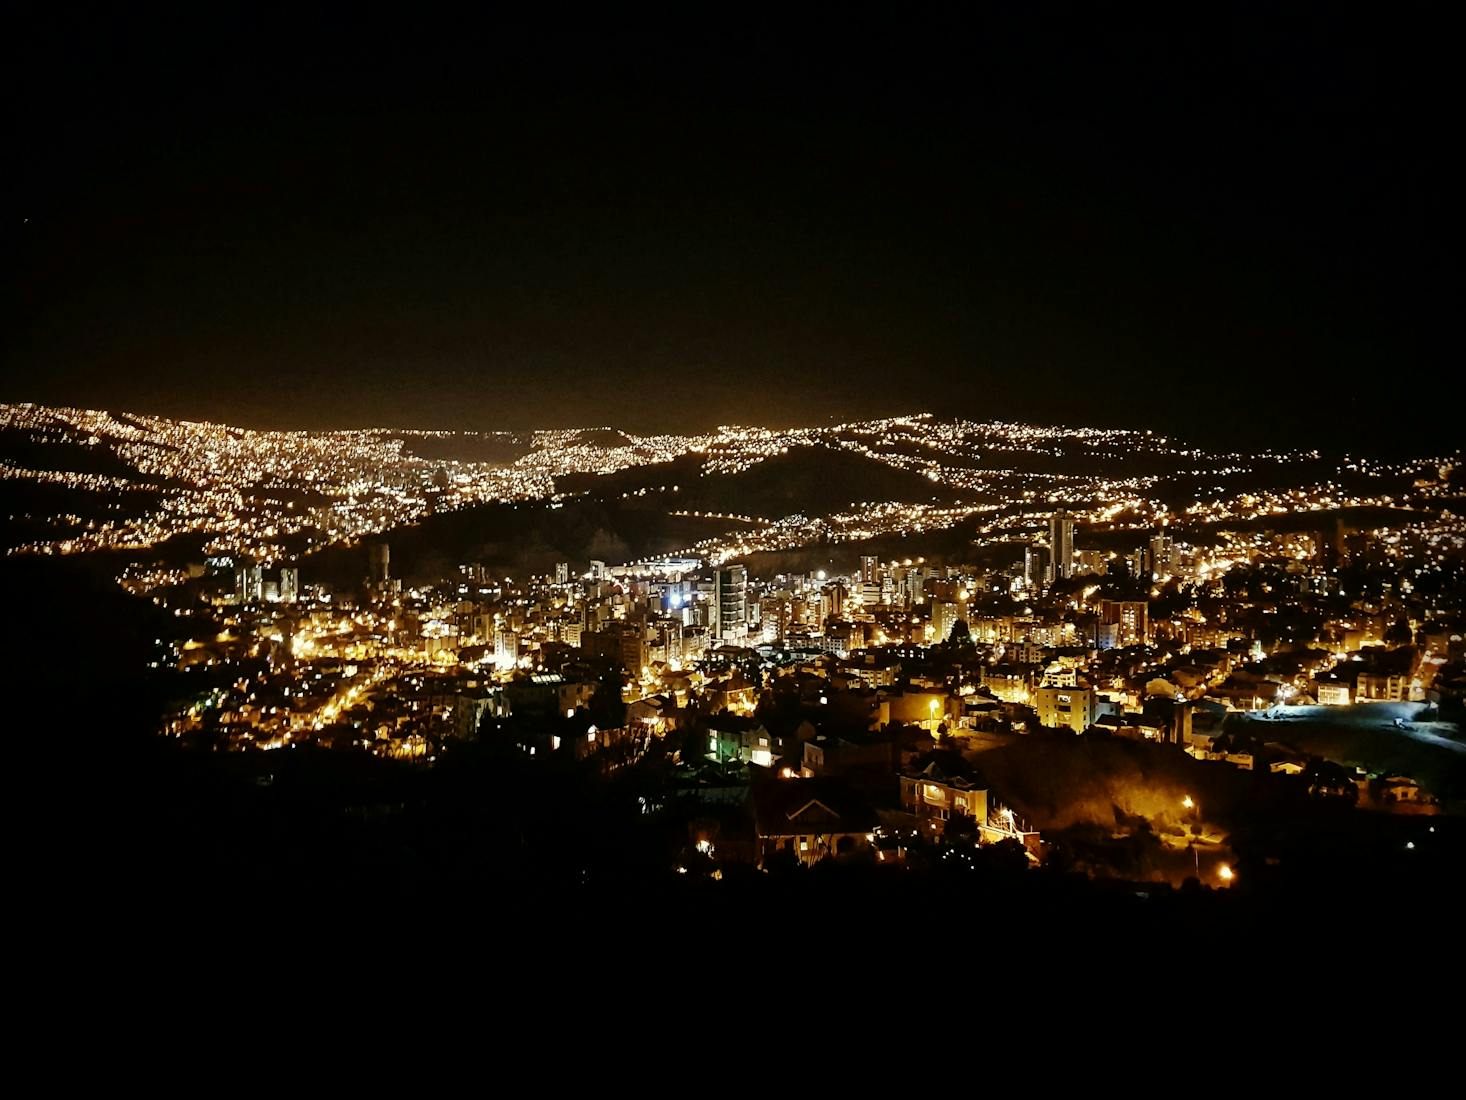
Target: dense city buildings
x=896 y=654
x=610 y=496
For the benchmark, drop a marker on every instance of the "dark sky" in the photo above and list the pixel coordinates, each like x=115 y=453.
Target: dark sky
x=1224 y=230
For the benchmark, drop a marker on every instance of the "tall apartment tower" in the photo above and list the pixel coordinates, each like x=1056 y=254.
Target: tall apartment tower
x=249 y=583
x=379 y=562
x=1035 y=568
x=1160 y=556
x=945 y=614
x=870 y=569
x=730 y=602
x=1061 y=546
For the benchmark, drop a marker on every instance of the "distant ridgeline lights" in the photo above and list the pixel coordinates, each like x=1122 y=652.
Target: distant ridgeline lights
x=257 y=493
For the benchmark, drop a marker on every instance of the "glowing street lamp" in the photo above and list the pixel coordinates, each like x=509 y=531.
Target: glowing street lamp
x=1225 y=872
x=1190 y=803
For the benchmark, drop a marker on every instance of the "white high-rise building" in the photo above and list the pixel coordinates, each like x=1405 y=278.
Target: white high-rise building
x=506 y=649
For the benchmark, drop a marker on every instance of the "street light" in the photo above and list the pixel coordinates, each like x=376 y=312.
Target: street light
x=1225 y=871
x=1190 y=803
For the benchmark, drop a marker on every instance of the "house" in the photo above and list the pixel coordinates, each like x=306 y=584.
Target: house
x=733 y=693
x=1159 y=685
x=712 y=783
x=658 y=713
x=742 y=739
x=1008 y=683
x=1401 y=788
x=918 y=707
x=1063 y=707
x=829 y=755
x=872 y=670
x=547 y=693
x=941 y=789
x=1285 y=761
x=1327 y=780
x=1134 y=725
x=810 y=820
x=1207 y=723
x=980 y=712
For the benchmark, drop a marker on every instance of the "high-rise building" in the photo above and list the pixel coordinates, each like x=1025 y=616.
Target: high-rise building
x=832 y=601
x=1130 y=620
x=379 y=560
x=775 y=614
x=916 y=579
x=870 y=569
x=289 y=584
x=249 y=583
x=730 y=602
x=1061 y=546
x=506 y=648
x=945 y=614
x=1033 y=566
x=562 y=572
x=634 y=650
x=1160 y=556
x=1135 y=565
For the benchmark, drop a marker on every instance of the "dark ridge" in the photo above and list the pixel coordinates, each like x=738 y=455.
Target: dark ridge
x=518 y=538
x=814 y=481
x=601 y=437
x=45 y=449
x=27 y=508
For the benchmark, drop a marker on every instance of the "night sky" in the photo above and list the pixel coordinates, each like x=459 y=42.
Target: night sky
x=1229 y=231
